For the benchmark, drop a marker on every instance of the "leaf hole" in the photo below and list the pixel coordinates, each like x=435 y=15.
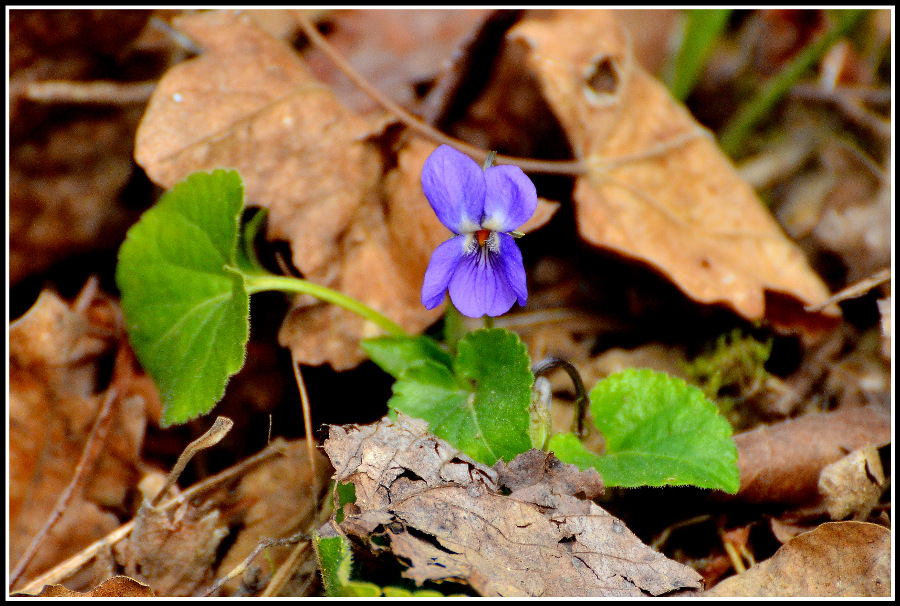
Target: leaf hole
x=602 y=80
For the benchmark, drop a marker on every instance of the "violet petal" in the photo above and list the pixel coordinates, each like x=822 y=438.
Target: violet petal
x=443 y=263
x=479 y=286
x=510 y=198
x=509 y=257
x=454 y=185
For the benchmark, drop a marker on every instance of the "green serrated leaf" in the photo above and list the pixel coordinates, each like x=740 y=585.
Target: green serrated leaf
x=659 y=431
x=185 y=304
x=482 y=408
x=396 y=354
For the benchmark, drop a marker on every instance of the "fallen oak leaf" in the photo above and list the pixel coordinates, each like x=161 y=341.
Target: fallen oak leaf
x=445 y=515
x=657 y=188
x=299 y=152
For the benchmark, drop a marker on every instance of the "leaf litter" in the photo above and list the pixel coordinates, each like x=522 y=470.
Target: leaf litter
x=445 y=515
x=779 y=456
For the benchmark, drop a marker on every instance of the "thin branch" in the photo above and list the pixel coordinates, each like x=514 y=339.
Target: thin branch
x=857 y=289
x=566 y=167
x=97 y=92
x=283 y=574
x=88 y=458
x=263 y=544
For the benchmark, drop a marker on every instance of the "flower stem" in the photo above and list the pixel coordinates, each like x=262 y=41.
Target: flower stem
x=257 y=284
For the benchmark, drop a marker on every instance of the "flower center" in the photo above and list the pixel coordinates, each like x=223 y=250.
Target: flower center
x=482 y=235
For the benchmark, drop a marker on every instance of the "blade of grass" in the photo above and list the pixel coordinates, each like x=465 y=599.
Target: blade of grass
x=703 y=28
x=739 y=128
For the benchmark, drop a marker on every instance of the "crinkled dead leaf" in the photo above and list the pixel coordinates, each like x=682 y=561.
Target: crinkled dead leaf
x=276 y=500
x=173 y=551
x=445 y=516
x=781 y=463
x=304 y=156
x=837 y=559
x=853 y=484
x=116 y=587
x=658 y=188
x=56 y=354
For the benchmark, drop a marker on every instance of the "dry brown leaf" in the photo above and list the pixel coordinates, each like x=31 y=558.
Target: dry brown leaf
x=115 y=587
x=659 y=189
x=837 y=559
x=298 y=150
x=275 y=500
x=536 y=472
x=55 y=356
x=853 y=484
x=173 y=552
x=409 y=483
x=781 y=463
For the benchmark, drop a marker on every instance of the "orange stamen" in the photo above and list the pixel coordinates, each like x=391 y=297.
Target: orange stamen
x=482 y=235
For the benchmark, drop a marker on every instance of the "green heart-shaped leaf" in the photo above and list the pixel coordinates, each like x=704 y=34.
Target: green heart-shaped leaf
x=185 y=304
x=659 y=431
x=481 y=404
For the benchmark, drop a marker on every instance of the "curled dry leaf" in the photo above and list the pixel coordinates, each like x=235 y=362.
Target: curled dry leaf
x=781 y=463
x=445 y=516
x=658 y=188
x=837 y=559
x=115 y=587
x=853 y=484
x=56 y=352
x=173 y=552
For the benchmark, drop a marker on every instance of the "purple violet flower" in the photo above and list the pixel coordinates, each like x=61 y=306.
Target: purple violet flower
x=481 y=264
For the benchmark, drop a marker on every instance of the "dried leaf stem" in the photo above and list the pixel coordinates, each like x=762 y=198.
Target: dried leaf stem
x=88 y=458
x=564 y=167
x=307 y=427
x=212 y=437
